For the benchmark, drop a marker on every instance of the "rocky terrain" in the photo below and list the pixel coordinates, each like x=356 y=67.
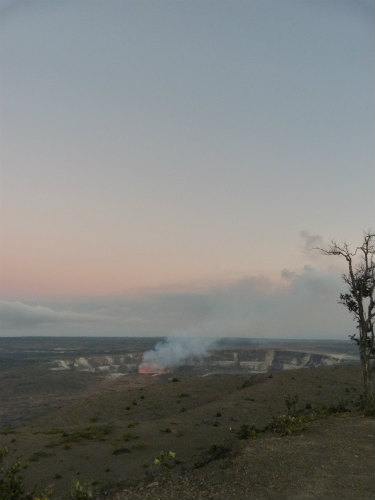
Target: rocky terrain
x=221 y=361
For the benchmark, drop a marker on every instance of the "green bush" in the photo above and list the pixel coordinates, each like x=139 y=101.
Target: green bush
x=129 y=437
x=166 y=459
x=287 y=425
x=11 y=480
x=291 y=404
x=167 y=430
x=94 y=433
x=133 y=424
x=81 y=491
x=120 y=451
x=246 y=431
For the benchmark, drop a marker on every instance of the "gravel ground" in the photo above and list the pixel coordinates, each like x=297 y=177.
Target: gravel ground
x=332 y=459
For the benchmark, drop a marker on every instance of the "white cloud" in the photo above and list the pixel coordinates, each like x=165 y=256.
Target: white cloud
x=17 y=315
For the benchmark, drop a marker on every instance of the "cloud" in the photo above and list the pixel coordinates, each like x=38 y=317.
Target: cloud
x=16 y=315
x=288 y=275
x=304 y=306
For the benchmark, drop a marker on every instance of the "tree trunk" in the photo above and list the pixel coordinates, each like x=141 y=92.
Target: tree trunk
x=369 y=381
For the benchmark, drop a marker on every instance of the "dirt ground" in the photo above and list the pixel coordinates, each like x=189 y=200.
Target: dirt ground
x=332 y=459
x=107 y=435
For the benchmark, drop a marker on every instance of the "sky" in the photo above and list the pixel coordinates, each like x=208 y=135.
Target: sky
x=166 y=166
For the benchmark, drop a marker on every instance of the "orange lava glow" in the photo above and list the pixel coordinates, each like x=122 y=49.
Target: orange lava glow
x=151 y=369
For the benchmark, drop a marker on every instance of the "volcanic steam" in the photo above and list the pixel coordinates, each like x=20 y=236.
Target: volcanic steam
x=174 y=352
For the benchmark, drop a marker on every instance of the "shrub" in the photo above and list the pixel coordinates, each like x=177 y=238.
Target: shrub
x=12 y=482
x=37 y=454
x=138 y=446
x=339 y=408
x=129 y=437
x=363 y=406
x=7 y=429
x=245 y=431
x=120 y=451
x=166 y=459
x=52 y=431
x=287 y=425
x=291 y=403
x=81 y=491
x=94 y=432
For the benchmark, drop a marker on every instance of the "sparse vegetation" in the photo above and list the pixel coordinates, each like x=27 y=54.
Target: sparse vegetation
x=166 y=459
x=120 y=451
x=286 y=424
x=167 y=430
x=37 y=454
x=87 y=433
x=52 y=431
x=291 y=404
x=81 y=491
x=130 y=437
x=7 y=429
x=12 y=482
x=138 y=446
x=247 y=431
x=133 y=424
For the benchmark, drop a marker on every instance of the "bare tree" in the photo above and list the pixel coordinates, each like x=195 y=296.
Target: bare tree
x=359 y=300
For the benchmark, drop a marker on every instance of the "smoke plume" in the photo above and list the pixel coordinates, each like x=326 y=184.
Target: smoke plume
x=174 y=352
